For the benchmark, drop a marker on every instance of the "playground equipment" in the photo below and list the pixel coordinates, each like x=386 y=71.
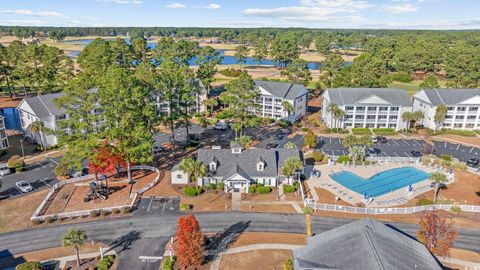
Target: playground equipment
x=96 y=191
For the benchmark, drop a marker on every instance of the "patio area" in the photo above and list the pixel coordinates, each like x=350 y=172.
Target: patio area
x=394 y=198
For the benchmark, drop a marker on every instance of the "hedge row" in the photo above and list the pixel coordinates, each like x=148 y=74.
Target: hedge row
x=361 y=131
x=384 y=131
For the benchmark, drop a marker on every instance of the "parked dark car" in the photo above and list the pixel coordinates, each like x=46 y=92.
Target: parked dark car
x=373 y=152
x=158 y=149
x=473 y=162
x=194 y=137
x=272 y=145
x=416 y=153
x=381 y=139
x=280 y=136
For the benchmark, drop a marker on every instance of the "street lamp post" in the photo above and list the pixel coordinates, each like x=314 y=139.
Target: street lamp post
x=21 y=145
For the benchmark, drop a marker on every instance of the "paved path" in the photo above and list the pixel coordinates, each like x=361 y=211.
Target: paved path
x=216 y=264
x=63 y=260
x=236 y=201
x=147 y=235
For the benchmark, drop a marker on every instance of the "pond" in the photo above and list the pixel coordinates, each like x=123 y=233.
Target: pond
x=12 y=118
x=227 y=60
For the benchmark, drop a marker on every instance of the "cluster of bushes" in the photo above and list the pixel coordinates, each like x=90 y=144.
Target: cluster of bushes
x=447 y=158
x=192 y=191
x=259 y=188
x=337 y=130
x=291 y=189
x=3 y=152
x=424 y=201
x=185 y=207
x=168 y=264
x=455 y=209
x=50 y=147
x=106 y=262
x=343 y=158
x=400 y=77
x=62 y=169
x=466 y=133
x=283 y=123
x=384 y=131
x=231 y=72
x=16 y=163
x=361 y=131
x=319 y=156
x=29 y=266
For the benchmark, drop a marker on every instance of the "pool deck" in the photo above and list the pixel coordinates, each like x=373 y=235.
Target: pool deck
x=394 y=198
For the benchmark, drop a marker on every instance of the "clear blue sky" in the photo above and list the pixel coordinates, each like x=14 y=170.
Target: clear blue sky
x=411 y=14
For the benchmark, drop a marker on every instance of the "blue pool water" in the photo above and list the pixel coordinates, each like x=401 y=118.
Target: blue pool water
x=381 y=183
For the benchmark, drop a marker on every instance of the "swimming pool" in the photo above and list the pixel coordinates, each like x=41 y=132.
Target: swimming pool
x=381 y=183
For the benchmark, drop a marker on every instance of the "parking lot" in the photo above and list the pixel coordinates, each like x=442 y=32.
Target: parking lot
x=392 y=148
x=458 y=151
x=157 y=205
x=39 y=175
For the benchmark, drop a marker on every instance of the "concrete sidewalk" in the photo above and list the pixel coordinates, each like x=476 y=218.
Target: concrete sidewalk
x=63 y=260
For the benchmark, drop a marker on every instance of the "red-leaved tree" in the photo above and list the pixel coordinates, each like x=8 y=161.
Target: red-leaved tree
x=436 y=233
x=105 y=161
x=190 y=248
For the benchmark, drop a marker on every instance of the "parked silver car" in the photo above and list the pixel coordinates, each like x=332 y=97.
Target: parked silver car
x=24 y=186
x=4 y=170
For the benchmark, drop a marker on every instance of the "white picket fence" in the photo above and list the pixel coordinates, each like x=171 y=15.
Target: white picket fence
x=387 y=211
x=36 y=215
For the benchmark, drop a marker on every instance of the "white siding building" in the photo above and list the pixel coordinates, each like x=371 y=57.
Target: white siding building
x=3 y=134
x=366 y=107
x=463 y=108
x=272 y=96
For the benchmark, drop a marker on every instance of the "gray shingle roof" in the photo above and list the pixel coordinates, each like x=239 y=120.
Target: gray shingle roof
x=363 y=244
x=245 y=163
x=350 y=96
x=44 y=105
x=284 y=90
x=450 y=96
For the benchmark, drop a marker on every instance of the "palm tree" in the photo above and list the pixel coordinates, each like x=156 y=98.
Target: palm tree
x=74 y=238
x=288 y=107
x=338 y=114
x=193 y=168
x=349 y=141
x=291 y=166
x=357 y=153
x=438 y=178
x=290 y=145
x=37 y=127
x=365 y=141
x=331 y=108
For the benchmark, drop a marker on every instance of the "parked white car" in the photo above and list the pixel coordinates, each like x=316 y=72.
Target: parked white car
x=24 y=186
x=374 y=139
x=4 y=170
x=220 y=126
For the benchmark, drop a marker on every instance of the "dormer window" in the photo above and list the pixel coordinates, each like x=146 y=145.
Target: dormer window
x=213 y=166
x=236 y=150
x=260 y=166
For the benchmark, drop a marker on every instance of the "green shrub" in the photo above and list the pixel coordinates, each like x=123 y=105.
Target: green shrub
x=106 y=262
x=264 y=190
x=361 y=131
x=288 y=189
x=61 y=169
x=16 y=163
x=94 y=213
x=50 y=219
x=36 y=222
x=384 y=131
x=455 y=209
x=424 y=201
x=104 y=213
x=220 y=186
x=400 y=77
x=304 y=129
x=169 y=264
x=317 y=156
x=466 y=133
x=231 y=72
x=3 y=152
x=185 y=207
x=29 y=266
x=125 y=210
x=307 y=210
x=343 y=158
x=212 y=186
x=288 y=265
x=116 y=211
x=445 y=157
x=296 y=184
x=192 y=192
x=251 y=189
x=283 y=123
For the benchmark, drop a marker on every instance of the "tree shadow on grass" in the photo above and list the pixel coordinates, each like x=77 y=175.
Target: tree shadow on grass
x=220 y=242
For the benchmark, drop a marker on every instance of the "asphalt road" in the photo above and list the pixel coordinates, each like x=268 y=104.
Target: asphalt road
x=39 y=174
x=146 y=235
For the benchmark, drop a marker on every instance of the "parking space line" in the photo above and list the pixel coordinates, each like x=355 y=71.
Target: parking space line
x=396 y=142
x=150 y=204
x=164 y=204
x=445 y=144
x=419 y=144
x=21 y=193
x=396 y=154
x=41 y=164
x=406 y=154
x=405 y=142
x=45 y=182
x=458 y=147
x=53 y=161
x=471 y=149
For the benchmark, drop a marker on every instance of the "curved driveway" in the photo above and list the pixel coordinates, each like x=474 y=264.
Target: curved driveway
x=136 y=236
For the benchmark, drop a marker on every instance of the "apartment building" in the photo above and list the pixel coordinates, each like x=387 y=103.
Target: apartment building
x=198 y=106
x=463 y=108
x=274 y=94
x=3 y=134
x=366 y=107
